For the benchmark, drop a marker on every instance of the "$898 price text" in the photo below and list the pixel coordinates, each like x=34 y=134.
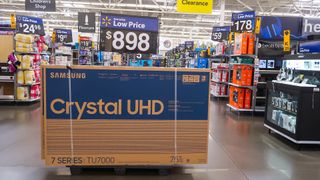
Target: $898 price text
x=129 y=41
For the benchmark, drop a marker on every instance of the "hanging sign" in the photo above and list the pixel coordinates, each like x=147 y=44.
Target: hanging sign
x=189 y=45
x=128 y=34
x=13 y=21
x=86 y=22
x=220 y=33
x=286 y=40
x=195 y=6
x=258 y=25
x=63 y=35
x=29 y=25
x=243 y=21
x=272 y=28
x=311 y=26
x=40 y=5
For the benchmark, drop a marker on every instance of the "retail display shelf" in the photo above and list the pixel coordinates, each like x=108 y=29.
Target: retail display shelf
x=32 y=53
x=217 y=95
x=6 y=80
x=260 y=97
x=262 y=83
x=6 y=98
x=243 y=55
x=31 y=69
x=259 y=109
x=242 y=64
x=294 y=84
x=220 y=82
x=63 y=54
x=285 y=110
x=269 y=71
x=28 y=100
x=29 y=84
x=240 y=110
x=236 y=85
x=289 y=138
x=220 y=69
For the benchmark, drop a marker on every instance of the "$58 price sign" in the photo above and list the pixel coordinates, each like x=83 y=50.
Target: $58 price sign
x=128 y=41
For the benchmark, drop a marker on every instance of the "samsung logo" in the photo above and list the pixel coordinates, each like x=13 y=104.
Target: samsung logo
x=63 y=75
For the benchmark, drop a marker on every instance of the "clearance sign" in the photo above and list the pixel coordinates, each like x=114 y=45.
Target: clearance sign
x=195 y=6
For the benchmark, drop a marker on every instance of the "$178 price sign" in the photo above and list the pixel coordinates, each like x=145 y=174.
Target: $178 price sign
x=116 y=40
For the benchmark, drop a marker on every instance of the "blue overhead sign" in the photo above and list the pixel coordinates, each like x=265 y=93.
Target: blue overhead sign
x=243 y=16
x=29 y=25
x=129 y=22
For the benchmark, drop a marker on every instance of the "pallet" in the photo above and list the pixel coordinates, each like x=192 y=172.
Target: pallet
x=122 y=170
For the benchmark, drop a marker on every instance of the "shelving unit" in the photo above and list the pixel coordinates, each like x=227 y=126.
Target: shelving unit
x=85 y=51
x=220 y=75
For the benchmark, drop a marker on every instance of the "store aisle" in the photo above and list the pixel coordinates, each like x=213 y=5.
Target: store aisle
x=239 y=148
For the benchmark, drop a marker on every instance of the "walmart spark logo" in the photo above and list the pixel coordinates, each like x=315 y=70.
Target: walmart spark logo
x=106 y=21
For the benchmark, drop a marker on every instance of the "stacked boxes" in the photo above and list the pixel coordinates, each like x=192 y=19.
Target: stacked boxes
x=244 y=43
x=242 y=75
x=240 y=97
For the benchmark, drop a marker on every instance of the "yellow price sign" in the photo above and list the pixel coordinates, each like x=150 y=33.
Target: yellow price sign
x=53 y=37
x=258 y=25
x=286 y=41
x=13 y=21
x=195 y=6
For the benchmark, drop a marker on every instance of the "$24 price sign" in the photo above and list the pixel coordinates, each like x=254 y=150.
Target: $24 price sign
x=129 y=41
x=29 y=25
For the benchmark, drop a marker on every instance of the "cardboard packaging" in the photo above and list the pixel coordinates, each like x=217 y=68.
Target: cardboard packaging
x=124 y=124
x=247 y=102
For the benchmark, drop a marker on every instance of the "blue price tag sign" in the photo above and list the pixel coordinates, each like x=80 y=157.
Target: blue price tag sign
x=29 y=25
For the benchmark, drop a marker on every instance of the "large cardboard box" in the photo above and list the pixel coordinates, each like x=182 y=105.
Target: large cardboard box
x=108 y=116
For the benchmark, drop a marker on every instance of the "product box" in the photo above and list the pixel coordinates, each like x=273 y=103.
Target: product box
x=246 y=76
x=237 y=97
x=251 y=43
x=124 y=116
x=248 y=96
x=22 y=93
x=237 y=74
x=29 y=77
x=241 y=43
x=244 y=43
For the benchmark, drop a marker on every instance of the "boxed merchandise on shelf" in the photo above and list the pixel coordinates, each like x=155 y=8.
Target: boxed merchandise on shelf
x=242 y=75
x=244 y=43
x=240 y=97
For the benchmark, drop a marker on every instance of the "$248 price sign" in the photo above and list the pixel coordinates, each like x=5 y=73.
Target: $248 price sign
x=115 y=40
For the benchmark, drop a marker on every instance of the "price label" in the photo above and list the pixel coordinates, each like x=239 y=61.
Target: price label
x=128 y=41
x=126 y=34
x=63 y=35
x=242 y=22
x=85 y=44
x=220 y=33
x=29 y=25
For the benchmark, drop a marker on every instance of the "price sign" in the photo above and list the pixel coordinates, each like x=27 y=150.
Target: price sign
x=220 y=33
x=29 y=25
x=126 y=34
x=243 y=21
x=189 y=45
x=63 y=35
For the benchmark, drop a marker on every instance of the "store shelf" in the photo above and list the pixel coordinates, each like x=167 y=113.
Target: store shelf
x=252 y=65
x=243 y=55
x=216 y=95
x=285 y=110
x=260 y=97
x=294 y=84
x=28 y=69
x=236 y=85
x=62 y=54
x=6 y=98
x=240 y=110
x=28 y=100
x=29 y=84
x=7 y=80
x=289 y=138
x=259 y=109
x=262 y=83
x=269 y=71
x=219 y=82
